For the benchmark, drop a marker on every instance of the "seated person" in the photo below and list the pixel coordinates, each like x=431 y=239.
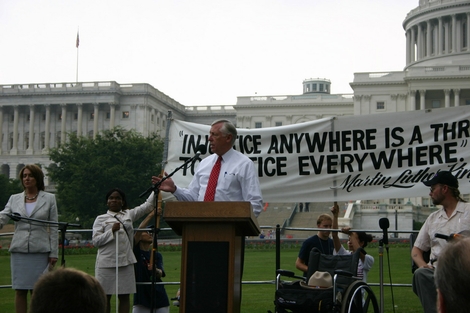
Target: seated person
x=321 y=241
x=452 y=217
x=68 y=290
x=357 y=240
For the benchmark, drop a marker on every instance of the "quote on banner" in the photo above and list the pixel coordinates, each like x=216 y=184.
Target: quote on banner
x=342 y=158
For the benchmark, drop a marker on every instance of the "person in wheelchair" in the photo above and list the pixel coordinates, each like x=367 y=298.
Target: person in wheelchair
x=453 y=217
x=321 y=241
x=357 y=241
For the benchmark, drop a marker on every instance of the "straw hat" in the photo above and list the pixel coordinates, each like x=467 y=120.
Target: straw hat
x=318 y=280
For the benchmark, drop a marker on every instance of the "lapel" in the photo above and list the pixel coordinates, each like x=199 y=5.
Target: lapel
x=20 y=204
x=40 y=202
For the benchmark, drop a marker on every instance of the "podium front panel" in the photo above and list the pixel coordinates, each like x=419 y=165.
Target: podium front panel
x=207 y=277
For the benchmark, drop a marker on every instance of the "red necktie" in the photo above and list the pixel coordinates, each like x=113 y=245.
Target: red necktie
x=213 y=178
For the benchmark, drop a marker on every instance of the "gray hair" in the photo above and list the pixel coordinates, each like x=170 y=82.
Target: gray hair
x=227 y=129
x=452 y=275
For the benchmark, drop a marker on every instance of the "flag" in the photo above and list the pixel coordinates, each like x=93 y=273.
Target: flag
x=78 y=41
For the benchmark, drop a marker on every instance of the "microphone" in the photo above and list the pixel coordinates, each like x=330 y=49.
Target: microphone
x=384 y=225
x=201 y=149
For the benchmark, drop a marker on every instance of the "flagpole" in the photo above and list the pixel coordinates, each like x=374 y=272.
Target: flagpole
x=77 y=44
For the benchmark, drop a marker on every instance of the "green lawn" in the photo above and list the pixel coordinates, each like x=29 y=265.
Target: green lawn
x=259 y=266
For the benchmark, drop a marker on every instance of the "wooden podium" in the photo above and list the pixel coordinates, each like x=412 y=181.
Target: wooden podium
x=212 y=252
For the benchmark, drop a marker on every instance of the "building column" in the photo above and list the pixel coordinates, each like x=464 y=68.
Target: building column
x=30 y=149
x=357 y=104
x=439 y=37
x=454 y=33
x=419 y=44
x=394 y=98
x=446 y=37
x=413 y=45
x=63 y=120
x=95 y=120
x=112 y=115
x=1 y=129
x=412 y=100
x=456 y=97
x=79 y=119
x=422 y=99
x=408 y=45
x=14 y=148
x=47 y=129
x=366 y=101
x=428 y=38
x=447 y=98
x=468 y=31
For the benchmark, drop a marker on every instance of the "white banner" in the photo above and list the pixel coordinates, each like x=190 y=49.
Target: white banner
x=364 y=157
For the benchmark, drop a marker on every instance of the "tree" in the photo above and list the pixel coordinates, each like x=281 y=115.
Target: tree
x=86 y=169
x=8 y=187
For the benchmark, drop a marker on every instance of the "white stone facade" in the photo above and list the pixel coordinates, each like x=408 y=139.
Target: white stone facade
x=436 y=74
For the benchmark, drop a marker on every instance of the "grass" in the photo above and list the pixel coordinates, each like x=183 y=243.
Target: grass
x=259 y=266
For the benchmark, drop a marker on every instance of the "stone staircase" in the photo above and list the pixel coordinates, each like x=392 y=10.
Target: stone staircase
x=278 y=213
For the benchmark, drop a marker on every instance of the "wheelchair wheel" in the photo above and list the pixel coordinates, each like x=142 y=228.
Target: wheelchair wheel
x=359 y=298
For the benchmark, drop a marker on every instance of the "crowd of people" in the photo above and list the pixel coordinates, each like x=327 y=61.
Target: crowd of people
x=126 y=257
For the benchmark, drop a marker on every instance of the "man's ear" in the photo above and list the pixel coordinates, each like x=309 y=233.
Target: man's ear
x=441 y=304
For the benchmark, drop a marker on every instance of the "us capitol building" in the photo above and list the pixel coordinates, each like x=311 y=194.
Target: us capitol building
x=37 y=117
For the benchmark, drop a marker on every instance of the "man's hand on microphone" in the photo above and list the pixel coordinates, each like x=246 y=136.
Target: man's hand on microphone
x=167 y=185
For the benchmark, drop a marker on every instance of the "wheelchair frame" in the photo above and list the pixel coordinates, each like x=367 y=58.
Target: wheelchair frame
x=350 y=293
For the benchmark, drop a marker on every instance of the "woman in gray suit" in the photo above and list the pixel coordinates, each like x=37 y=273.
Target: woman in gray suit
x=34 y=245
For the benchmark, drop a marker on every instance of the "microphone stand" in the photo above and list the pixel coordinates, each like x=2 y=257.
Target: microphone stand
x=381 y=275
x=157 y=185
x=156 y=189
x=61 y=225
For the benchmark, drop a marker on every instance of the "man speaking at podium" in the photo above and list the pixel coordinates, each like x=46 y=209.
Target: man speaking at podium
x=226 y=175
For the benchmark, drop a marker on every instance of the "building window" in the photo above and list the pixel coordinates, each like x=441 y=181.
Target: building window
x=125 y=114
x=26 y=140
x=151 y=118
x=43 y=140
x=380 y=105
x=75 y=116
x=426 y=202
x=321 y=87
x=467 y=102
x=60 y=117
x=436 y=104
x=57 y=139
x=278 y=124
x=12 y=118
x=258 y=125
x=92 y=116
x=44 y=117
x=314 y=87
x=28 y=117
x=108 y=115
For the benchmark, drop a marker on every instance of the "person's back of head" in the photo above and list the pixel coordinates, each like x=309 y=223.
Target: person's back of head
x=68 y=290
x=452 y=276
